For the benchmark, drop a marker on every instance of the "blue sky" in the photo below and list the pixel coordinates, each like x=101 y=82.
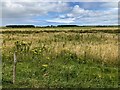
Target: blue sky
x=55 y=13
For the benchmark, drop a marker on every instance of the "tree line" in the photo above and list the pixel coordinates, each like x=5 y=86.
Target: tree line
x=32 y=26
x=20 y=26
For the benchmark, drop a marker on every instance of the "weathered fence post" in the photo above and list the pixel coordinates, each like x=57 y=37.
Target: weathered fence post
x=84 y=55
x=20 y=47
x=14 y=67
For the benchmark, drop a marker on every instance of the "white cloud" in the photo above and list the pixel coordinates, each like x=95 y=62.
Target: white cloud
x=62 y=16
x=63 y=0
x=110 y=5
x=100 y=17
x=26 y=9
x=59 y=20
x=77 y=11
x=14 y=11
x=81 y=16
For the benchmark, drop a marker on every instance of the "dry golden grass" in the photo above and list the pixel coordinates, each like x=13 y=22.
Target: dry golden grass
x=59 y=28
x=106 y=50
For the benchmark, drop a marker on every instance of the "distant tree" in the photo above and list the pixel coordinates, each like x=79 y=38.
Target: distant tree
x=20 y=26
x=67 y=26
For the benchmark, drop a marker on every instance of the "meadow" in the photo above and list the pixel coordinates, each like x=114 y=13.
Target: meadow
x=60 y=57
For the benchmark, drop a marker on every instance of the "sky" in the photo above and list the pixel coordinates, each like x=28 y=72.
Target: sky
x=59 y=12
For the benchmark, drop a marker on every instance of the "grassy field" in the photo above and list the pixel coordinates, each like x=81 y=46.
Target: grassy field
x=60 y=59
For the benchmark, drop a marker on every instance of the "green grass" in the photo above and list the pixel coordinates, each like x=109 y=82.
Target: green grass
x=56 y=60
x=63 y=70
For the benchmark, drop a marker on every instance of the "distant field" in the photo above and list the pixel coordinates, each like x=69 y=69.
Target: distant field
x=60 y=29
x=67 y=58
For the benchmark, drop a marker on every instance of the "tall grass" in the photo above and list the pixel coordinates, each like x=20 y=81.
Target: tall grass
x=62 y=59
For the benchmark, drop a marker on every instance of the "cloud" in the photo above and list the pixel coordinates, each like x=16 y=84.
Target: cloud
x=110 y=5
x=63 y=0
x=78 y=12
x=27 y=9
x=79 y=15
x=59 y=20
x=17 y=12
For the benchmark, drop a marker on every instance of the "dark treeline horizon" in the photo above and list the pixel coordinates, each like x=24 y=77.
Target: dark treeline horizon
x=52 y=26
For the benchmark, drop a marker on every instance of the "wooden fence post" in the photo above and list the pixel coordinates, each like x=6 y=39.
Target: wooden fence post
x=84 y=55
x=14 y=67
